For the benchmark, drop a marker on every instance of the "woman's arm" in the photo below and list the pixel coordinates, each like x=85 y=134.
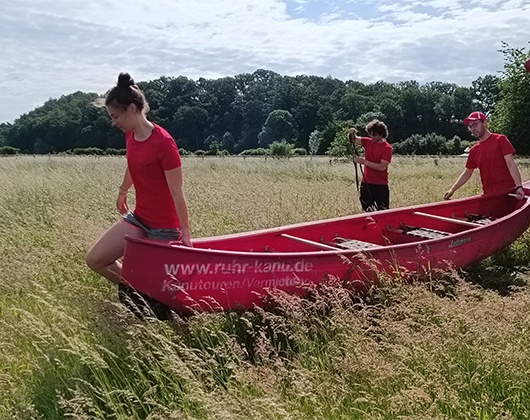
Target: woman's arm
x=175 y=183
x=121 y=202
x=127 y=181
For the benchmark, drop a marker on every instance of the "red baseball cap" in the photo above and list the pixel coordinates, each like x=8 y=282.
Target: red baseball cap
x=475 y=116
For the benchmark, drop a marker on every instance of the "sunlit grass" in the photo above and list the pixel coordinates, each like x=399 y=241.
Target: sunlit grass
x=453 y=347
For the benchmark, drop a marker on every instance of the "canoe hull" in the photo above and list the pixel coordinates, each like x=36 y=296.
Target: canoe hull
x=236 y=271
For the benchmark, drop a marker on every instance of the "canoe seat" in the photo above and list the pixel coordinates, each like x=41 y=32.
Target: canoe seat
x=425 y=233
x=346 y=243
x=484 y=221
x=419 y=232
x=479 y=219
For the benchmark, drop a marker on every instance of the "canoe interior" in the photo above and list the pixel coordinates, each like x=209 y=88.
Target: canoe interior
x=387 y=228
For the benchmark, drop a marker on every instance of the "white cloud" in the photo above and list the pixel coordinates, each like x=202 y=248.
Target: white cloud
x=53 y=48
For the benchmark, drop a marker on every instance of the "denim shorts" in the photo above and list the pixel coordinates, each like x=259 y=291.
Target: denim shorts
x=170 y=234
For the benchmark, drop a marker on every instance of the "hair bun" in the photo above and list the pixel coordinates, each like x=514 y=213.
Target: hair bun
x=125 y=80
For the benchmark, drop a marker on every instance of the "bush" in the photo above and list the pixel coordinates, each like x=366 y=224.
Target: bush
x=116 y=152
x=300 y=151
x=428 y=144
x=8 y=150
x=88 y=151
x=260 y=151
x=281 y=149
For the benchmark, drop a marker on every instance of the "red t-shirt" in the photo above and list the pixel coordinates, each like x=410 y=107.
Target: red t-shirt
x=147 y=160
x=376 y=152
x=488 y=156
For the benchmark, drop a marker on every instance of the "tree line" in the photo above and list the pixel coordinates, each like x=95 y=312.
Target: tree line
x=254 y=110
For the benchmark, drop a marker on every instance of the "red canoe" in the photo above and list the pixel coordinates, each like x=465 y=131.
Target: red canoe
x=235 y=271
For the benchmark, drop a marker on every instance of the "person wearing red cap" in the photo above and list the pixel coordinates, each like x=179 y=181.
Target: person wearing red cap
x=493 y=155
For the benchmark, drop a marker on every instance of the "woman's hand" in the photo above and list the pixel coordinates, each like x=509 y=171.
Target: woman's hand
x=186 y=238
x=121 y=204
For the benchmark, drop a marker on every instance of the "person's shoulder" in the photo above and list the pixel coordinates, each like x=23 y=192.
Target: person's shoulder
x=161 y=131
x=474 y=148
x=498 y=136
x=501 y=140
x=162 y=135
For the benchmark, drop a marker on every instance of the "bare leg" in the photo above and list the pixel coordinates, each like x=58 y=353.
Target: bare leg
x=104 y=255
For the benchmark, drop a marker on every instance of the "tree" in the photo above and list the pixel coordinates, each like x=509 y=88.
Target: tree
x=57 y=124
x=280 y=125
x=511 y=113
x=315 y=138
x=486 y=92
x=253 y=117
x=227 y=142
x=189 y=121
x=341 y=146
x=366 y=118
x=4 y=129
x=277 y=107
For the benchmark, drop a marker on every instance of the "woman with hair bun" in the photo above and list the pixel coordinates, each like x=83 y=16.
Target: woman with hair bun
x=154 y=168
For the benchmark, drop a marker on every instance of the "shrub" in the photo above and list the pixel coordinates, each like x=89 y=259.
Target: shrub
x=8 y=150
x=88 y=151
x=281 y=149
x=116 y=152
x=299 y=151
x=428 y=144
x=260 y=151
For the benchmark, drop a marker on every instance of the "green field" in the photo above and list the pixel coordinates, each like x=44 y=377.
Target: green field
x=454 y=347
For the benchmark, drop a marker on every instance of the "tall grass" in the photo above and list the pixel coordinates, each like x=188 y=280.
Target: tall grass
x=454 y=347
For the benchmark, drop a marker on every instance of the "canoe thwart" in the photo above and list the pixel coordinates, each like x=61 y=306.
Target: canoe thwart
x=309 y=242
x=446 y=219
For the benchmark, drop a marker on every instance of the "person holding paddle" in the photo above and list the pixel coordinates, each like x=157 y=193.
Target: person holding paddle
x=374 y=192
x=493 y=155
x=154 y=168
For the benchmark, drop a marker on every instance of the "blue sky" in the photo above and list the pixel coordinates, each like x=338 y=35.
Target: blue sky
x=50 y=48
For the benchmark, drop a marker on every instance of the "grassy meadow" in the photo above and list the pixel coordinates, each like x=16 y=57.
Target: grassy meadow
x=454 y=347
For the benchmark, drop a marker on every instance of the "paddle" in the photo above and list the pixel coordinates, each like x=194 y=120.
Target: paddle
x=356 y=154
